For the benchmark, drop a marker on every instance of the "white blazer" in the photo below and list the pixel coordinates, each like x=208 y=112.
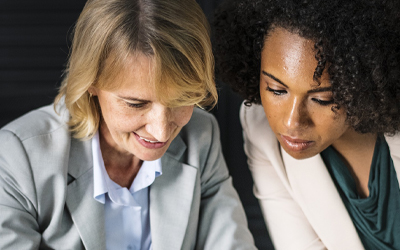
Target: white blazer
x=299 y=200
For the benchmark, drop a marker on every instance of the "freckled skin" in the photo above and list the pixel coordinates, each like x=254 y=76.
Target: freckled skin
x=151 y=120
x=292 y=110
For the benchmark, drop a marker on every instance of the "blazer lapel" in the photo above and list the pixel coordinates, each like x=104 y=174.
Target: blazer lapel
x=87 y=214
x=316 y=193
x=171 y=197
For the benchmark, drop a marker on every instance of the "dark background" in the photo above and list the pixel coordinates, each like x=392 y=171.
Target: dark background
x=34 y=41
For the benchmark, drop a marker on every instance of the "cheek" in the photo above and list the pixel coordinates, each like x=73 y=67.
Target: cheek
x=331 y=123
x=118 y=119
x=272 y=109
x=270 y=113
x=341 y=123
x=183 y=115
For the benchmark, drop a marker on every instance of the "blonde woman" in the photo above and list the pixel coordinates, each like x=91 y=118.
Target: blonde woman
x=123 y=159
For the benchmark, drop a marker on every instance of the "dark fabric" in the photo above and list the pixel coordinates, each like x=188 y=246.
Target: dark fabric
x=377 y=217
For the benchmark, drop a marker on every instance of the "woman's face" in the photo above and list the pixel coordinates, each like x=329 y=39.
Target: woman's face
x=298 y=109
x=133 y=120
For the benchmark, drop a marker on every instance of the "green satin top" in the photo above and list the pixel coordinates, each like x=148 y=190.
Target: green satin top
x=377 y=217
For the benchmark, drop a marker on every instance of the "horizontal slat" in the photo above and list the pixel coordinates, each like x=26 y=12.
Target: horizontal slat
x=17 y=99
x=28 y=58
x=14 y=89
x=11 y=5
x=35 y=51
x=10 y=76
x=31 y=18
x=34 y=36
x=21 y=105
x=43 y=62
x=29 y=53
x=34 y=40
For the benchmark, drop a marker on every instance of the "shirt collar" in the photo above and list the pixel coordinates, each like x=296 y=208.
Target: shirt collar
x=148 y=172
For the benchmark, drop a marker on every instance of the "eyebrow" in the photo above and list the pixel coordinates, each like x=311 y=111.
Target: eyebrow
x=323 y=89
x=274 y=78
x=314 y=90
x=132 y=99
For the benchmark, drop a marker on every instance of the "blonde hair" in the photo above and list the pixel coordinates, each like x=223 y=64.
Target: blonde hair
x=173 y=32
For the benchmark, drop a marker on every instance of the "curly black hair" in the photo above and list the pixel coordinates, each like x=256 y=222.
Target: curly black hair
x=357 y=42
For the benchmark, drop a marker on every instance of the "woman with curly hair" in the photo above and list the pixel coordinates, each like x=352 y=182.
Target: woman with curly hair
x=323 y=147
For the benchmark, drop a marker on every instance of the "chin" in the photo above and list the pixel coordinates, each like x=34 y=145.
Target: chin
x=150 y=157
x=300 y=155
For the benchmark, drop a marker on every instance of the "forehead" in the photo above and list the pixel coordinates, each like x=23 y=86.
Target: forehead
x=127 y=72
x=139 y=71
x=290 y=57
x=138 y=76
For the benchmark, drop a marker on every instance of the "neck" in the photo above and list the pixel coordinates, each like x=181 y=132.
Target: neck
x=121 y=166
x=357 y=150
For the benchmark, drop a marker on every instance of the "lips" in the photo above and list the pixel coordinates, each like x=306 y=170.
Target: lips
x=149 y=143
x=296 y=144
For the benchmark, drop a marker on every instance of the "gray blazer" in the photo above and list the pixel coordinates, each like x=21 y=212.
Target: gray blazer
x=46 y=190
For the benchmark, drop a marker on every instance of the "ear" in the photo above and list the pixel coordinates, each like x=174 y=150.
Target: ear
x=93 y=90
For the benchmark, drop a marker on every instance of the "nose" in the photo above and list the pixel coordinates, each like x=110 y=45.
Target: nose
x=296 y=115
x=160 y=123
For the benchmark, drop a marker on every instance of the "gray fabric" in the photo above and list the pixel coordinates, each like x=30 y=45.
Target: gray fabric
x=46 y=190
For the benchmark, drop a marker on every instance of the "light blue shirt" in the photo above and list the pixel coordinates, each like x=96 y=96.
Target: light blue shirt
x=127 y=220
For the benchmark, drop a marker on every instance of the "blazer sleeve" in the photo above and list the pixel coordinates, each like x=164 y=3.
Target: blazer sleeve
x=222 y=222
x=287 y=225
x=18 y=226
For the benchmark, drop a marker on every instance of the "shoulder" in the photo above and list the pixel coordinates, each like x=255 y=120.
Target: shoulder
x=394 y=146
x=35 y=139
x=202 y=124
x=393 y=140
x=197 y=139
x=201 y=117
x=253 y=117
x=38 y=122
x=255 y=111
x=255 y=124
x=34 y=158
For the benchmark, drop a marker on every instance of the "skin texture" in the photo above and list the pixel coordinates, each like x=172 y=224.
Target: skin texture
x=299 y=110
x=132 y=111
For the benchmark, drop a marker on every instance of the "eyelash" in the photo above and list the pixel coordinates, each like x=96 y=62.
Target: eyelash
x=135 y=105
x=276 y=92
x=323 y=103
x=281 y=92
